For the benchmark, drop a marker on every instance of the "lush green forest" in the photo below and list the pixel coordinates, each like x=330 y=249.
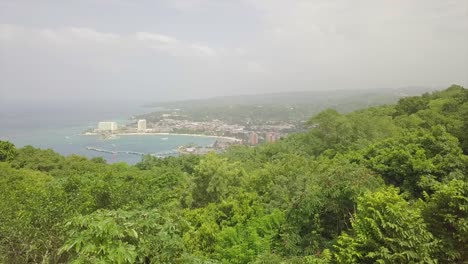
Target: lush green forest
x=387 y=184
x=290 y=107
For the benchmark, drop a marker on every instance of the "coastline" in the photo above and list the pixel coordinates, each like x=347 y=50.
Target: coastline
x=162 y=134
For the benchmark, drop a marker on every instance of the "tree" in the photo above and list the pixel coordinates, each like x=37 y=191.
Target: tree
x=411 y=105
x=213 y=180
x=31 y=205
x=386 y=229
x=7 y=151
x=137 y=236
x=37 y=159
x=446 y=214
x=404 y=160
x=320 y=210
x=330 y=130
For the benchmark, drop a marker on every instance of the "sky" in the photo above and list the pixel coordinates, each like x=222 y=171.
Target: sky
x=156 y=50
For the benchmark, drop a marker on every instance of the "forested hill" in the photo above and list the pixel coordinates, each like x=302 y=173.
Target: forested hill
x=286 y=106
x=386 y=184
x=321 y=97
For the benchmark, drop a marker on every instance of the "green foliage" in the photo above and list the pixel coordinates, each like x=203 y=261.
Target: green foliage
x=403 y=161
x=321 y=209
x=448 y=108
x=233 y=231
x=321 y=196
x=213 y=180
x=186 y=163
x=37 y=159
x=122 y=237
x=7 y=151
x=386 y=229
x=411 y=105
x=30 y=204
x=334 y=132
x=446 y=214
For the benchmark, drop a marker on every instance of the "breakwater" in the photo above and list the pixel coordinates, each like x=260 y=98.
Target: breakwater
x=157 y=154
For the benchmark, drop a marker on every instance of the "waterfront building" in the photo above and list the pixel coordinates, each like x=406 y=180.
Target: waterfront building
x=253 y=139
x=271 y=137
x=107 y=126
x=142 y=125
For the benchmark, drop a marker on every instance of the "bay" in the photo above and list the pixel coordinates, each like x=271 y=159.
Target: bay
x=60 y=126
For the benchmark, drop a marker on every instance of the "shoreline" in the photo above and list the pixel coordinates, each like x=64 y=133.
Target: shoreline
x=161 y=134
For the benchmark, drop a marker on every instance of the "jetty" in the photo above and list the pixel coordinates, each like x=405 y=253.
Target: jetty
x=157 y=154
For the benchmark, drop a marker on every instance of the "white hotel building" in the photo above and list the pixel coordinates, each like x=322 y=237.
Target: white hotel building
x=107 y=126
x=142 y=125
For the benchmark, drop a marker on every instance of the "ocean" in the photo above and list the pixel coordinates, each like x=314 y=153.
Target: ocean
x=60 y=126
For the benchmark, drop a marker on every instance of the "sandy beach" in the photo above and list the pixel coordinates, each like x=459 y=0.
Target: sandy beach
x=163 y=134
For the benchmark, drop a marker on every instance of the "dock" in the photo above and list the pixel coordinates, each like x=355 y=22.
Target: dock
x=156 y=154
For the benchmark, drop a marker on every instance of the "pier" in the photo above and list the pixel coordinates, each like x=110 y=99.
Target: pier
x=156 y=154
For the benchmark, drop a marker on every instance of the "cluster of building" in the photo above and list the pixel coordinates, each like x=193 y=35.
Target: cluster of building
x=107 y=126
x=110 y=126
x=274 y=127
x=219 y=145
x=214 y=127
x=241 y=134
x=269 y=137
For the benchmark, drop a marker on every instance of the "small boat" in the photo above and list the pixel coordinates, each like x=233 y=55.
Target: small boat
x=67 y=137
x=164 y=138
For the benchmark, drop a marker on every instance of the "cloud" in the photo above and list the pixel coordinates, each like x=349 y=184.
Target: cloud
x=203 y=50
x=184 y=5
x=8 y=31
x=363 y=43
x=255 y=67
x=92 y=38
x=92 y=35
x=161 y=43
x=254 y=46
x=81 y=62
x=163 y=39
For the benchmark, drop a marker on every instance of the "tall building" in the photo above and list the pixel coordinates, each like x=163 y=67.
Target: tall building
x=253 y=139
x=107 y=126
x=271 y=137
x=142 y=125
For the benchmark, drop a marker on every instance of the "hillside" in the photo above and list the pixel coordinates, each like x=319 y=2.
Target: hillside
x=384 y=184
x=293 y=107
x=300 y=97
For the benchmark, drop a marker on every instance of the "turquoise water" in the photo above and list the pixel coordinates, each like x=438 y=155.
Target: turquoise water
x=61 y=129
x=72 y=143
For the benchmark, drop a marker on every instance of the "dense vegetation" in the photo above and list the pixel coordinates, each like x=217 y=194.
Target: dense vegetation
x=381 y=185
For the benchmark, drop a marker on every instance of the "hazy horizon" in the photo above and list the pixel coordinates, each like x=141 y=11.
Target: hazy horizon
x=149 y=51
x=73 y=103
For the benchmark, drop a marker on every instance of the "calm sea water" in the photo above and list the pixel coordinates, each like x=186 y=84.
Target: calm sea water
x=59 y=127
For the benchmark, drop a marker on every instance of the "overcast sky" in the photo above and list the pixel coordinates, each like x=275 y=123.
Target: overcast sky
x=152 y=50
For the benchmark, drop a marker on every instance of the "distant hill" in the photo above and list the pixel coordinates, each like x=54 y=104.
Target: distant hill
x=332 y=98
x=290 y=106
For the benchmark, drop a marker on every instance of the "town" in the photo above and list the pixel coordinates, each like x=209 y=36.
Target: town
x=174 y=124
